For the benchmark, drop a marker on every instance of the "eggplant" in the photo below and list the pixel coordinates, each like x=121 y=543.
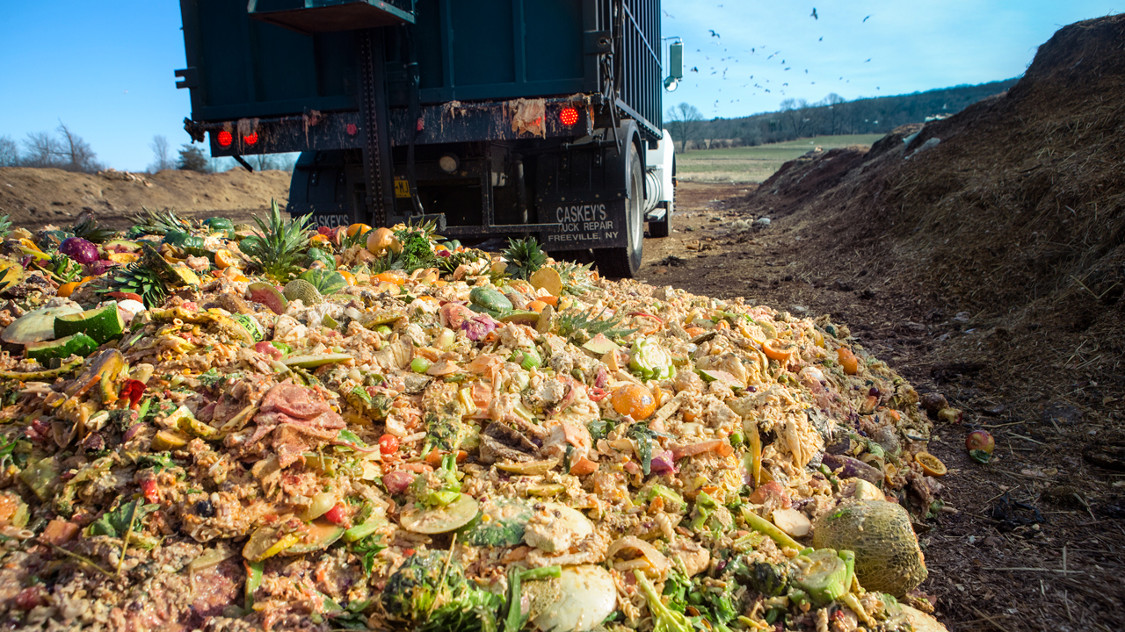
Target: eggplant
x=848 y=467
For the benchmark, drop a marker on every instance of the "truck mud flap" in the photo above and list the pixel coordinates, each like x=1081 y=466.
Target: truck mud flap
x=319 y=187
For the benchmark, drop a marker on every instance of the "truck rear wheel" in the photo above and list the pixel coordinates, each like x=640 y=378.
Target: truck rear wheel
x=624 y=262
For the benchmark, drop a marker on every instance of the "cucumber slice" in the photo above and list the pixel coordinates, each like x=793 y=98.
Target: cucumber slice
x=440 y=519
x=313 y=360
x=315 y=536
x=36 y=326
x=101 y=323
x=75 y=344
x=521 y=317
x=821 y=574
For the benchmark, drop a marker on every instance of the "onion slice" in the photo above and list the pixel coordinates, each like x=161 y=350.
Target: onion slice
x=658 y=564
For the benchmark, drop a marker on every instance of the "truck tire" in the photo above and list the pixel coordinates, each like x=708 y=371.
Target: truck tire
x=624 y=262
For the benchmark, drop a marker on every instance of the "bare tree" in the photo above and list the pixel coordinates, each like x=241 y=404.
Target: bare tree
x=75 y=153
x=9 y=152
x=40 y=150
x=161 y=153
x=833 y=114
x=795 y=113
x=682 y=122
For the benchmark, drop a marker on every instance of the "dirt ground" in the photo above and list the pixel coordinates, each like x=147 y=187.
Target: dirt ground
x=982 y=257
x=35 y=197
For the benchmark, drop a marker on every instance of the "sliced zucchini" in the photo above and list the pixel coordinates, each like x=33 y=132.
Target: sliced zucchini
x=101 y=323
x=75 y=344
x=821 y=574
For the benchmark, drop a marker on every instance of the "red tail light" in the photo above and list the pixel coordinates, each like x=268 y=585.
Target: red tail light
x=251 y=138
x=568 y=116
x=225 y=138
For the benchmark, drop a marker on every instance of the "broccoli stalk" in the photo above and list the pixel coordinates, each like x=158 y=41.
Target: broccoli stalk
x=664 y=619
x=448 y=486
x=704 y=507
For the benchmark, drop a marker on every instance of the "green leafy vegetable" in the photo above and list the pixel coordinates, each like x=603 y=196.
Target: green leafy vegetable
x=644 y=438
x=430 y=591
x=126 y=518
x=366 y=550
x=664 y=619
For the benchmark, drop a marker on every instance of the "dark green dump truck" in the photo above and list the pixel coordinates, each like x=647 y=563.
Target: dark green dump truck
x=496 y=118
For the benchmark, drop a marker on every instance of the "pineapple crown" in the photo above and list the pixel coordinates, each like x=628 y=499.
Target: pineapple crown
x=282 y=245
x=524 y=257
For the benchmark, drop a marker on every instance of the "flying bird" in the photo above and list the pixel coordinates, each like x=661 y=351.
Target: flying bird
x=814 y=16
x=713 y=33
x=866 y=18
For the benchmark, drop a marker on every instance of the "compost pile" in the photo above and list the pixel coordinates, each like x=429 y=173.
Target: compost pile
x=235 y=427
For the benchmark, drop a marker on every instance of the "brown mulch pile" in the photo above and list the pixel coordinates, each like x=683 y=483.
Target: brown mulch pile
x=986 y=253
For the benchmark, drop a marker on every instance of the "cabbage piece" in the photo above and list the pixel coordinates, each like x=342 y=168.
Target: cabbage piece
x=650 y=361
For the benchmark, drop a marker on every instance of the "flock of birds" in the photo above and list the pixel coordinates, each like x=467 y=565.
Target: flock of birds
x=721 y=66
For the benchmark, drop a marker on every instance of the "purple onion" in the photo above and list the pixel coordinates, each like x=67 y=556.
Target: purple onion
x=397 y=481
x=133 y=431
x=98 y=267
x=848 y=467
x=79 y=249
x=662 y=463
x=478 y=327
x=602 y=378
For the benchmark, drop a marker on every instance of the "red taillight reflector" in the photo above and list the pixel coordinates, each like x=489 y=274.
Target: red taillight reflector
x=225 y=138
x=251 y=138
x=568 y=116
x=351 y=129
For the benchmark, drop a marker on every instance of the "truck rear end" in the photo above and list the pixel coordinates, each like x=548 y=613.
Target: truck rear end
x=497 y=118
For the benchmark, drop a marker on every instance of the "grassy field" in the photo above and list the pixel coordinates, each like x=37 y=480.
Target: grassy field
x=755 y=164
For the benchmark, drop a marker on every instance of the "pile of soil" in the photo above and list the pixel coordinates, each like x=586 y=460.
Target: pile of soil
x=983 y=256
x=36 y=197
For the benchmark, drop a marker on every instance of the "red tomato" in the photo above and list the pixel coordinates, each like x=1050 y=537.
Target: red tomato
x=336 y=515
x=388 y=444
x=151 y=493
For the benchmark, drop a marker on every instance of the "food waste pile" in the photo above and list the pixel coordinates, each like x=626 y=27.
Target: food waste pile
x=211 y=426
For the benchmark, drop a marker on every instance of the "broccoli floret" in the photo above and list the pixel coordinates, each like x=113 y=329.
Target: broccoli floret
x=664 y=619
x=430 y=589
x=710 y=514
x=439 y=488
x=443 y=433
x=769 y=579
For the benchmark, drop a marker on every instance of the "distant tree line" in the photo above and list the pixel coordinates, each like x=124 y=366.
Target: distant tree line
x=66 y=150
x=832 y=116
x=62 y=150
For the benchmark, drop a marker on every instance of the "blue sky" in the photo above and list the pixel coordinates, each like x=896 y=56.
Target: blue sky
x=105 y=69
